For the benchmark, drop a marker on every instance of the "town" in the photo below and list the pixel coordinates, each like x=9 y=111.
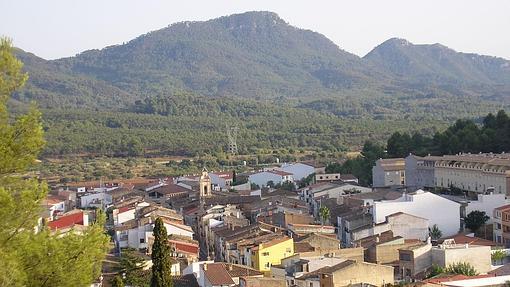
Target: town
x=432 y=221
x=254 y=143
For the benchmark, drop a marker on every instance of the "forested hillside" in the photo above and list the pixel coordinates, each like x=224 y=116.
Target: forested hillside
x=282 y=85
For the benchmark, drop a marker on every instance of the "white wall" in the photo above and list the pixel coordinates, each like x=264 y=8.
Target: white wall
x=487 y=203
x=124 y=216
x=86 y=200
x=475 y=180
x=171 y=229
x=299 y=170
x=262 y=178
x=438 y=210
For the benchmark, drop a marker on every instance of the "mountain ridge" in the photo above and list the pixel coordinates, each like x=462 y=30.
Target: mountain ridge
x=260 y=56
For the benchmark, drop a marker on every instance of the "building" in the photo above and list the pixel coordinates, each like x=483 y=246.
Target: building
x=389 y=172
x=261 y=282
x=267 y=253
x=387 y=251
x=182 y=247
x=400 y=224
x=76 y=220
x=419 y=171
x=327 y=177
x=298 y=170
x=438 y=210
x=262 y=178
x=449 y=253
x=414 y=261
x=477 y=173
x=136 y=233
x=222 y=179
x=350 y=272
x=486 y=203
x=501 y=228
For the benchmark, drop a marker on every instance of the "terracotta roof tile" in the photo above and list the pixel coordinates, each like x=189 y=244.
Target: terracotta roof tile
x=217 y=274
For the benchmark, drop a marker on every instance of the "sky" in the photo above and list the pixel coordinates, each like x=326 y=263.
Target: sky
x=61 y=28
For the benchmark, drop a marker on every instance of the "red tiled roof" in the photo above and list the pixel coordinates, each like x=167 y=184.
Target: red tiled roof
x=503 y=207
x=191 y=211
x=463 y=239
x=66 y=221
x=456 y=277
x=53 y=199
x=217 y=274
x=185 y=247
x=126 y=208
x=224 y=174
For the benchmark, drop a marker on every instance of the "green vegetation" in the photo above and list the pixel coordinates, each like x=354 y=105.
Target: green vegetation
x=463 y=136
x=361 y=166
x=498 y=256
x=162 y=263
x=435 y=233
x=284 y=87
x=28 y=258
x=117 y=281
x=132 y=267
x=462 y=268
x=324 y=214
x=476 y=219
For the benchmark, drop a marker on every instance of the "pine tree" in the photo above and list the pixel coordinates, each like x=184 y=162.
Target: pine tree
x=161 y=261
x=31 y=255
x=117 y=281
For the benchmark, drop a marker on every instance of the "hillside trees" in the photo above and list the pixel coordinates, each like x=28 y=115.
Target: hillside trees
x=31 y=258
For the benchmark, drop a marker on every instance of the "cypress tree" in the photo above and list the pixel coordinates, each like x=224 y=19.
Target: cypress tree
x=161 y=261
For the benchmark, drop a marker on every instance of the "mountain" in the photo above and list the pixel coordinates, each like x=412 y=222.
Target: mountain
x=171 y=91
x=50 y=86
x=426 y=65
x=255 y=55
x=258 y=55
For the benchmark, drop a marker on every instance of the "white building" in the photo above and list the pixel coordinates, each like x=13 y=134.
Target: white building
x=486 y=203
x=298 y=170
x=419 y=171
x=478 y=173
x=96 y=199
x=401 y=224
x=438 y=210
x=136 y=233
x=388 y=172
x=221 y=179
x=276 y=176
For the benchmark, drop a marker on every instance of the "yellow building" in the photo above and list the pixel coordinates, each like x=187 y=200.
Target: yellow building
x=271 y=253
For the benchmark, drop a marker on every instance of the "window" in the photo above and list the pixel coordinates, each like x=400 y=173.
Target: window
x=265 y=253
x=268 y=265
x=287 y=250
x=142 y=240
x=405 y=256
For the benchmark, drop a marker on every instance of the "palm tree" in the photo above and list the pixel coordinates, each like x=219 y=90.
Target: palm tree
x=435 y=233
x=324 y=214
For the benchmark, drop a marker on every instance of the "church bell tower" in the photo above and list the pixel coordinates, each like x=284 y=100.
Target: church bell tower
x=205 y=184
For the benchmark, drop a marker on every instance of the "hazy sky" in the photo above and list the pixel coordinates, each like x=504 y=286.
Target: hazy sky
x=59 y=28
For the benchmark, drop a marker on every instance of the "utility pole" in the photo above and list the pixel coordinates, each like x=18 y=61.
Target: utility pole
x=232 y=139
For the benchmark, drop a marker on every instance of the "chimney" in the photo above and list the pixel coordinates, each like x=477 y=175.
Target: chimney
x=229 y=267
